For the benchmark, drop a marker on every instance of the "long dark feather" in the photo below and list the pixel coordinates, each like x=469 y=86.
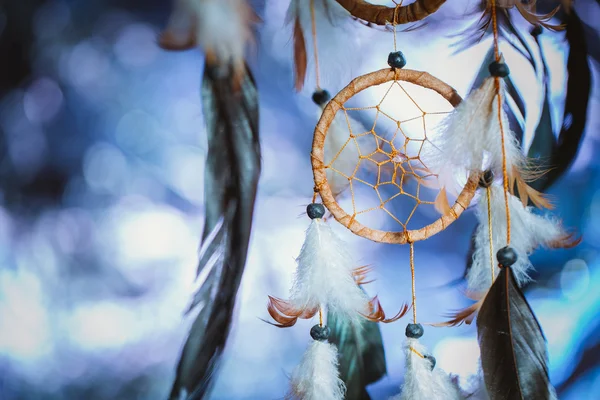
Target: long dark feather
x=514 y=357
x=231 y=178
x=361 y=354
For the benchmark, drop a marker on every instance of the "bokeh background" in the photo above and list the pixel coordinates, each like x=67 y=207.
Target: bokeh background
x=101 y=204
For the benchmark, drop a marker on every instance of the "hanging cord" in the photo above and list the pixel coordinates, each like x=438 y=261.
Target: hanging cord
x=320 y=316
x=499 y=97
x=489 y=212
x=314 y=35
x=412 y=276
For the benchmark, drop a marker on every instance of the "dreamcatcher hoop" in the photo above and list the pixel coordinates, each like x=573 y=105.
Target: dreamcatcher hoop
x=319 y=167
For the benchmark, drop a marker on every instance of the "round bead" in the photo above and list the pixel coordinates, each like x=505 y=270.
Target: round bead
x=321 y=97
x=499 y=69
x=414 y=331
x=506 y=256
x=320 y=333
x=396 y=59
x=431 y=359
x=536 y=31
x=315 y=210
x=486 y=179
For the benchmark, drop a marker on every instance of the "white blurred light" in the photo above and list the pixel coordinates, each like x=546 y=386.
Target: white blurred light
x=458 y=356
x=138 y=131
x=24 y=325
x=105 y=168
x=575 y=279
x=87 y=64
x=185 y=169
x=136 y=45
x=42 y=101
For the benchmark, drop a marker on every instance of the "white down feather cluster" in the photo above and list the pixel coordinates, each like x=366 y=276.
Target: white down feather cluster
x=317 y=376
x=324 y=274
x=528 y=232
x=423 y=383
x=471 y=138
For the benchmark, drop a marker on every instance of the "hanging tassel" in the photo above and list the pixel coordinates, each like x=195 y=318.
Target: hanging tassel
x=422 y=380
x=324 y=276
x=528 y=231
x=317 y=377
x=513 y=348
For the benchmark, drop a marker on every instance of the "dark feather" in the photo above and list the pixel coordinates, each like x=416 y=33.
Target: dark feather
x=514 y=357
x=233 y=168
x=361 y=352
x=578 y=91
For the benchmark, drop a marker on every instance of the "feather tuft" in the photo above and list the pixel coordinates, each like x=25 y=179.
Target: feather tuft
x=422 y=380
x=317 y=376
x=378 y=315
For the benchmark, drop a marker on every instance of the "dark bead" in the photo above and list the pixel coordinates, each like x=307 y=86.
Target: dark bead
x=507 y=256
x=431 y=359
x=315 y=210
x=396 y=59
x=321 y=97
x=486 y=179
x=499 y=69
x=320 y=333
x=414 y=331
x=536 y=31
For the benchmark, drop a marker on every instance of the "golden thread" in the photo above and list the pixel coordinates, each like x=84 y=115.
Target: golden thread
x=320 y=316
x=416 y=352
x=314 y=34
x=489 y=211
x=412 y=276
x=498 y=94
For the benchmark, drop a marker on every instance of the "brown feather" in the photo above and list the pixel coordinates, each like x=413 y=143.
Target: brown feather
x=441 y=202
x=360 y=275
x=285 y=314
x=378 y=315
x=300 y=57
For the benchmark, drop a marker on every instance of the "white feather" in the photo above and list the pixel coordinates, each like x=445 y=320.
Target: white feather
x=528 y=232
x=472 y=140
x=343 y=150
x=317 y=377
x=324 y=274
x=420 y=382
x=333 y=40
x=219 y=26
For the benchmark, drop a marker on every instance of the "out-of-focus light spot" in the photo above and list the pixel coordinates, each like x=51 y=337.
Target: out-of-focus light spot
x=73 y=230
x=185 y=169
x=42 y=100
x=28 y=151
x=24 y=329
x=105 y=168
x=103 y=326
x=137 y=131
x=87 y=64
x=136 y=45
x=51 y=18
x=184 y=116
x=155 y=234
x=575 y=279
x=458 y=356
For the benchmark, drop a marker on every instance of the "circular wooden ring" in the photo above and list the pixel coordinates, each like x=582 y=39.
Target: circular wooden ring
x=359 y=84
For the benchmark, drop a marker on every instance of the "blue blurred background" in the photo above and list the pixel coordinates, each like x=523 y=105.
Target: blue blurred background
x=101 y=205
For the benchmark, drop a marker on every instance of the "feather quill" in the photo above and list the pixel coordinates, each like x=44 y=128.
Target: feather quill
x=422 y=380
x=231 y=179
x=513 y=348
x=528 y=232
x=317 y=376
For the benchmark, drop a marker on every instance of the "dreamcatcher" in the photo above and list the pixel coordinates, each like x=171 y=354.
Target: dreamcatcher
x=474 y=149
x=373 y=165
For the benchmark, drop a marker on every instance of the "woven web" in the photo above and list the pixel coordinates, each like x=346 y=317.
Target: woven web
x=384 y=166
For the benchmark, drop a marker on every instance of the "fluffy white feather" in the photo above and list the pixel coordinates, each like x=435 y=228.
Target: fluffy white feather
x=317 y=377
x=324 y=274
x=423 y=383
x=471 y=136
x=221 y=28
x=528 y=232
x=332 y=39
